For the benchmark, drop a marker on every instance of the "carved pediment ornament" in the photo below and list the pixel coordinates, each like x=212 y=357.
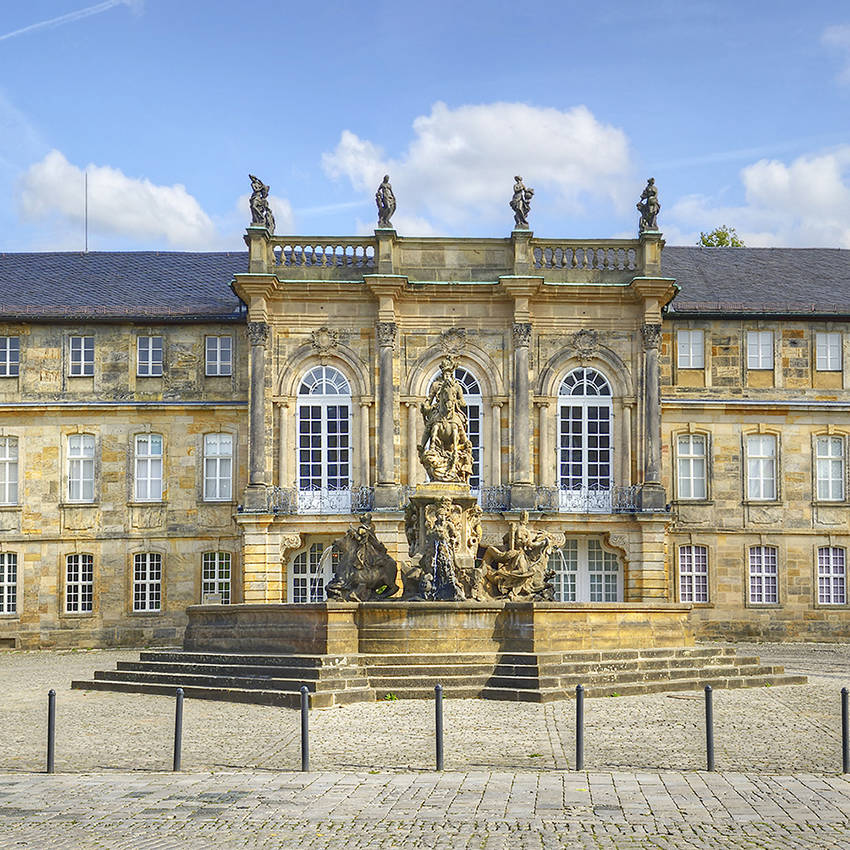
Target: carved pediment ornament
x=324 y=340
x=585 y=343
x=522 y=334
x=651 y=336
x=453 y=340
x=386 y=332
x=258 y=333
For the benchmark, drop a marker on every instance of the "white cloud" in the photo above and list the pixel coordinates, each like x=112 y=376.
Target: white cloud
x=460 y=165
x=77 y=15
x=802 y=204
x=838 y=36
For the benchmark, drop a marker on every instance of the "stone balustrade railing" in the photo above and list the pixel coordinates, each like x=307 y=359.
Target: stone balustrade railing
x=601 y=254
x=322 y=252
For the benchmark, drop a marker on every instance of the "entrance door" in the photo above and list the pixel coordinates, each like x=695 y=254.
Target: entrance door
x=586 y=572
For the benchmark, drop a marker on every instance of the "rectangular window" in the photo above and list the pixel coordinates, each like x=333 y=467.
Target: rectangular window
x=828 y=352
x=764 y=576
x=604 y=570
x=218 y=466
x=830 y=469
x=566 y=571
x=80 y=468
x=308 y=579
x=10 y=356
x=216 y=575
x=8 y=583
x=79 y=583
x=690 y=450
x=693 y=574
x=148 y=468
x=82 y=355
x=147 y=581
x=219 y=355
x=691 y=350
x=8 y=470
x=761 y=467
x=832 y=583
x=149 y=356
x=760 y=350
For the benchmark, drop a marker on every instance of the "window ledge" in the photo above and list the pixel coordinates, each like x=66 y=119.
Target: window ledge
x=758 y=605
x=145 y=613
x=10 y=616
x=693 y=502
x=76 y=615
x=159 y=503
x=700 y=604
x=843 y=503
x=762 y=503
x=79 y=504
x=11 y=508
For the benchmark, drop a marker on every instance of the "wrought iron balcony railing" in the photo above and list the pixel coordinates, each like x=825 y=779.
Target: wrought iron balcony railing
x=289 y=500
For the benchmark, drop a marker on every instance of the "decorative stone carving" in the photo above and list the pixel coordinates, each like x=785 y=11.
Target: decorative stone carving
x=386 y=332
x=453 y=340
x=648 y=207
x=443 y=534
x=364 y=570
x=258 y=333
x=522 y=334
x=521 y=569
x=585 y=343
x=324 y=340
x=385 y=199
x=521 y=204
x=445 y=449
x=261 y=212
x=651 y=336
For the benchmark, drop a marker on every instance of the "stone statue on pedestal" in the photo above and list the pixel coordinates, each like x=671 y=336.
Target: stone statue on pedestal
x=364 y=570
x=521 y=204
x=649 y=207
x=261 y=212
x=385 y=199
x=520 y=570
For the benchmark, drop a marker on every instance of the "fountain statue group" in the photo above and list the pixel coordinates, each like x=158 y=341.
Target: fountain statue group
x=447 y=559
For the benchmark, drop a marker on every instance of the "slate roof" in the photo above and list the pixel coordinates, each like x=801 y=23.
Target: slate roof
x=168 y=286
x=747 y=281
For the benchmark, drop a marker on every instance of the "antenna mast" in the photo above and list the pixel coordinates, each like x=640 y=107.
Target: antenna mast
x=87 y=211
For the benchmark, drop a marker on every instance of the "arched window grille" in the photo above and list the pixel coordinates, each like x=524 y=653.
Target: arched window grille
x=324 y=442
x=584 y=442
x=474 y=405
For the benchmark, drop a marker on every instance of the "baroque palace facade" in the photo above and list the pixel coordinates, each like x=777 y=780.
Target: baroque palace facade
x=179 y=428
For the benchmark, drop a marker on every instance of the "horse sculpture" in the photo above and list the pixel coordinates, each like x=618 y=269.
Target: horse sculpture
x=363 y=569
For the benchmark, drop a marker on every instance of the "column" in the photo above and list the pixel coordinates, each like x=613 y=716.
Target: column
x=283 y=445
x=522 y=493
x=412 y=454
x=386 y=489
x=365 y=454
x=652 y=493
x=544 y=456
x=496 y=444
x=258 y=333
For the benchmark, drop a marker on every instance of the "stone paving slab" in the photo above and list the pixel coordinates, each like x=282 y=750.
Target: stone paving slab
x=471 y=809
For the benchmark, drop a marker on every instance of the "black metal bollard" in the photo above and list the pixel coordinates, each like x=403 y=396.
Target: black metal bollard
x=51 y=730
x=438 y=723
x=709 y=728
x=178 y=730
x=845 y=732
x=579 y=727
x=305 y=729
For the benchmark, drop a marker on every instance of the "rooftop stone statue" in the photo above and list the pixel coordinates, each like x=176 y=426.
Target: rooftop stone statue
x=649 y=207
x=261 y=212
x=385 y=199
x=521 y=204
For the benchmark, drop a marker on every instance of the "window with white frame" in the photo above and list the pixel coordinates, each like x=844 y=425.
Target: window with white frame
x=828 y=352
x=219 y=355
x=764 y=575
x=832 y=580
x=323 y=411
x=147 y=581
x=215 y=578
x=584 y=571
x=79 y=583
x=693 y=574
x=218 y=467
x=81 y=360
x=474 y=405
x=10 y=356
x=760 y=349
x=8 y=583
x=310 y=573
x=691 y=463
x=761 y=467
x=149 y=356
x=81 y=468
x=830 y=468
x=8 y=470
x=690 y=346
x=148 y=473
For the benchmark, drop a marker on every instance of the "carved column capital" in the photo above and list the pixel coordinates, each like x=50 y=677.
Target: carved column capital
x=258 y=332
x=522 y=334
x=651 y=336
x=386 y=332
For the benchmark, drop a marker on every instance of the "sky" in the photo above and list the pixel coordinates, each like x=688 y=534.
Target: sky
x=739 y=110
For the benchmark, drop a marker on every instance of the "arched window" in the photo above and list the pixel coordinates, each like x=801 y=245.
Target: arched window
x=474 y=405
x=309 y=573
x=584 y=442
x=324 y=442
x=586 y=572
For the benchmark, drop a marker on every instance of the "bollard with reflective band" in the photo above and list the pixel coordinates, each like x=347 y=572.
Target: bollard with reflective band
x=438 y=723
x=579 y=727
x=178 y=730
x=51 y=730
x=709 y=728
x=305 y=728
x=845 y=732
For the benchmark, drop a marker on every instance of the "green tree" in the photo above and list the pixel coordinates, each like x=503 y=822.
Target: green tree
x=721 y=237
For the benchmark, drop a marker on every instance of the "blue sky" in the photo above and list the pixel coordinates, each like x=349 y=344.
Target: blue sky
x=740 y=110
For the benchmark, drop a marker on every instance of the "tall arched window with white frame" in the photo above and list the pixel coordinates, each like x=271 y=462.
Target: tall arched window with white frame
x=474 y=406
x=585 y=414
x=324 y=442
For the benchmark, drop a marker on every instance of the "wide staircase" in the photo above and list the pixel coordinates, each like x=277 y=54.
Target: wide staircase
x=532 y=677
